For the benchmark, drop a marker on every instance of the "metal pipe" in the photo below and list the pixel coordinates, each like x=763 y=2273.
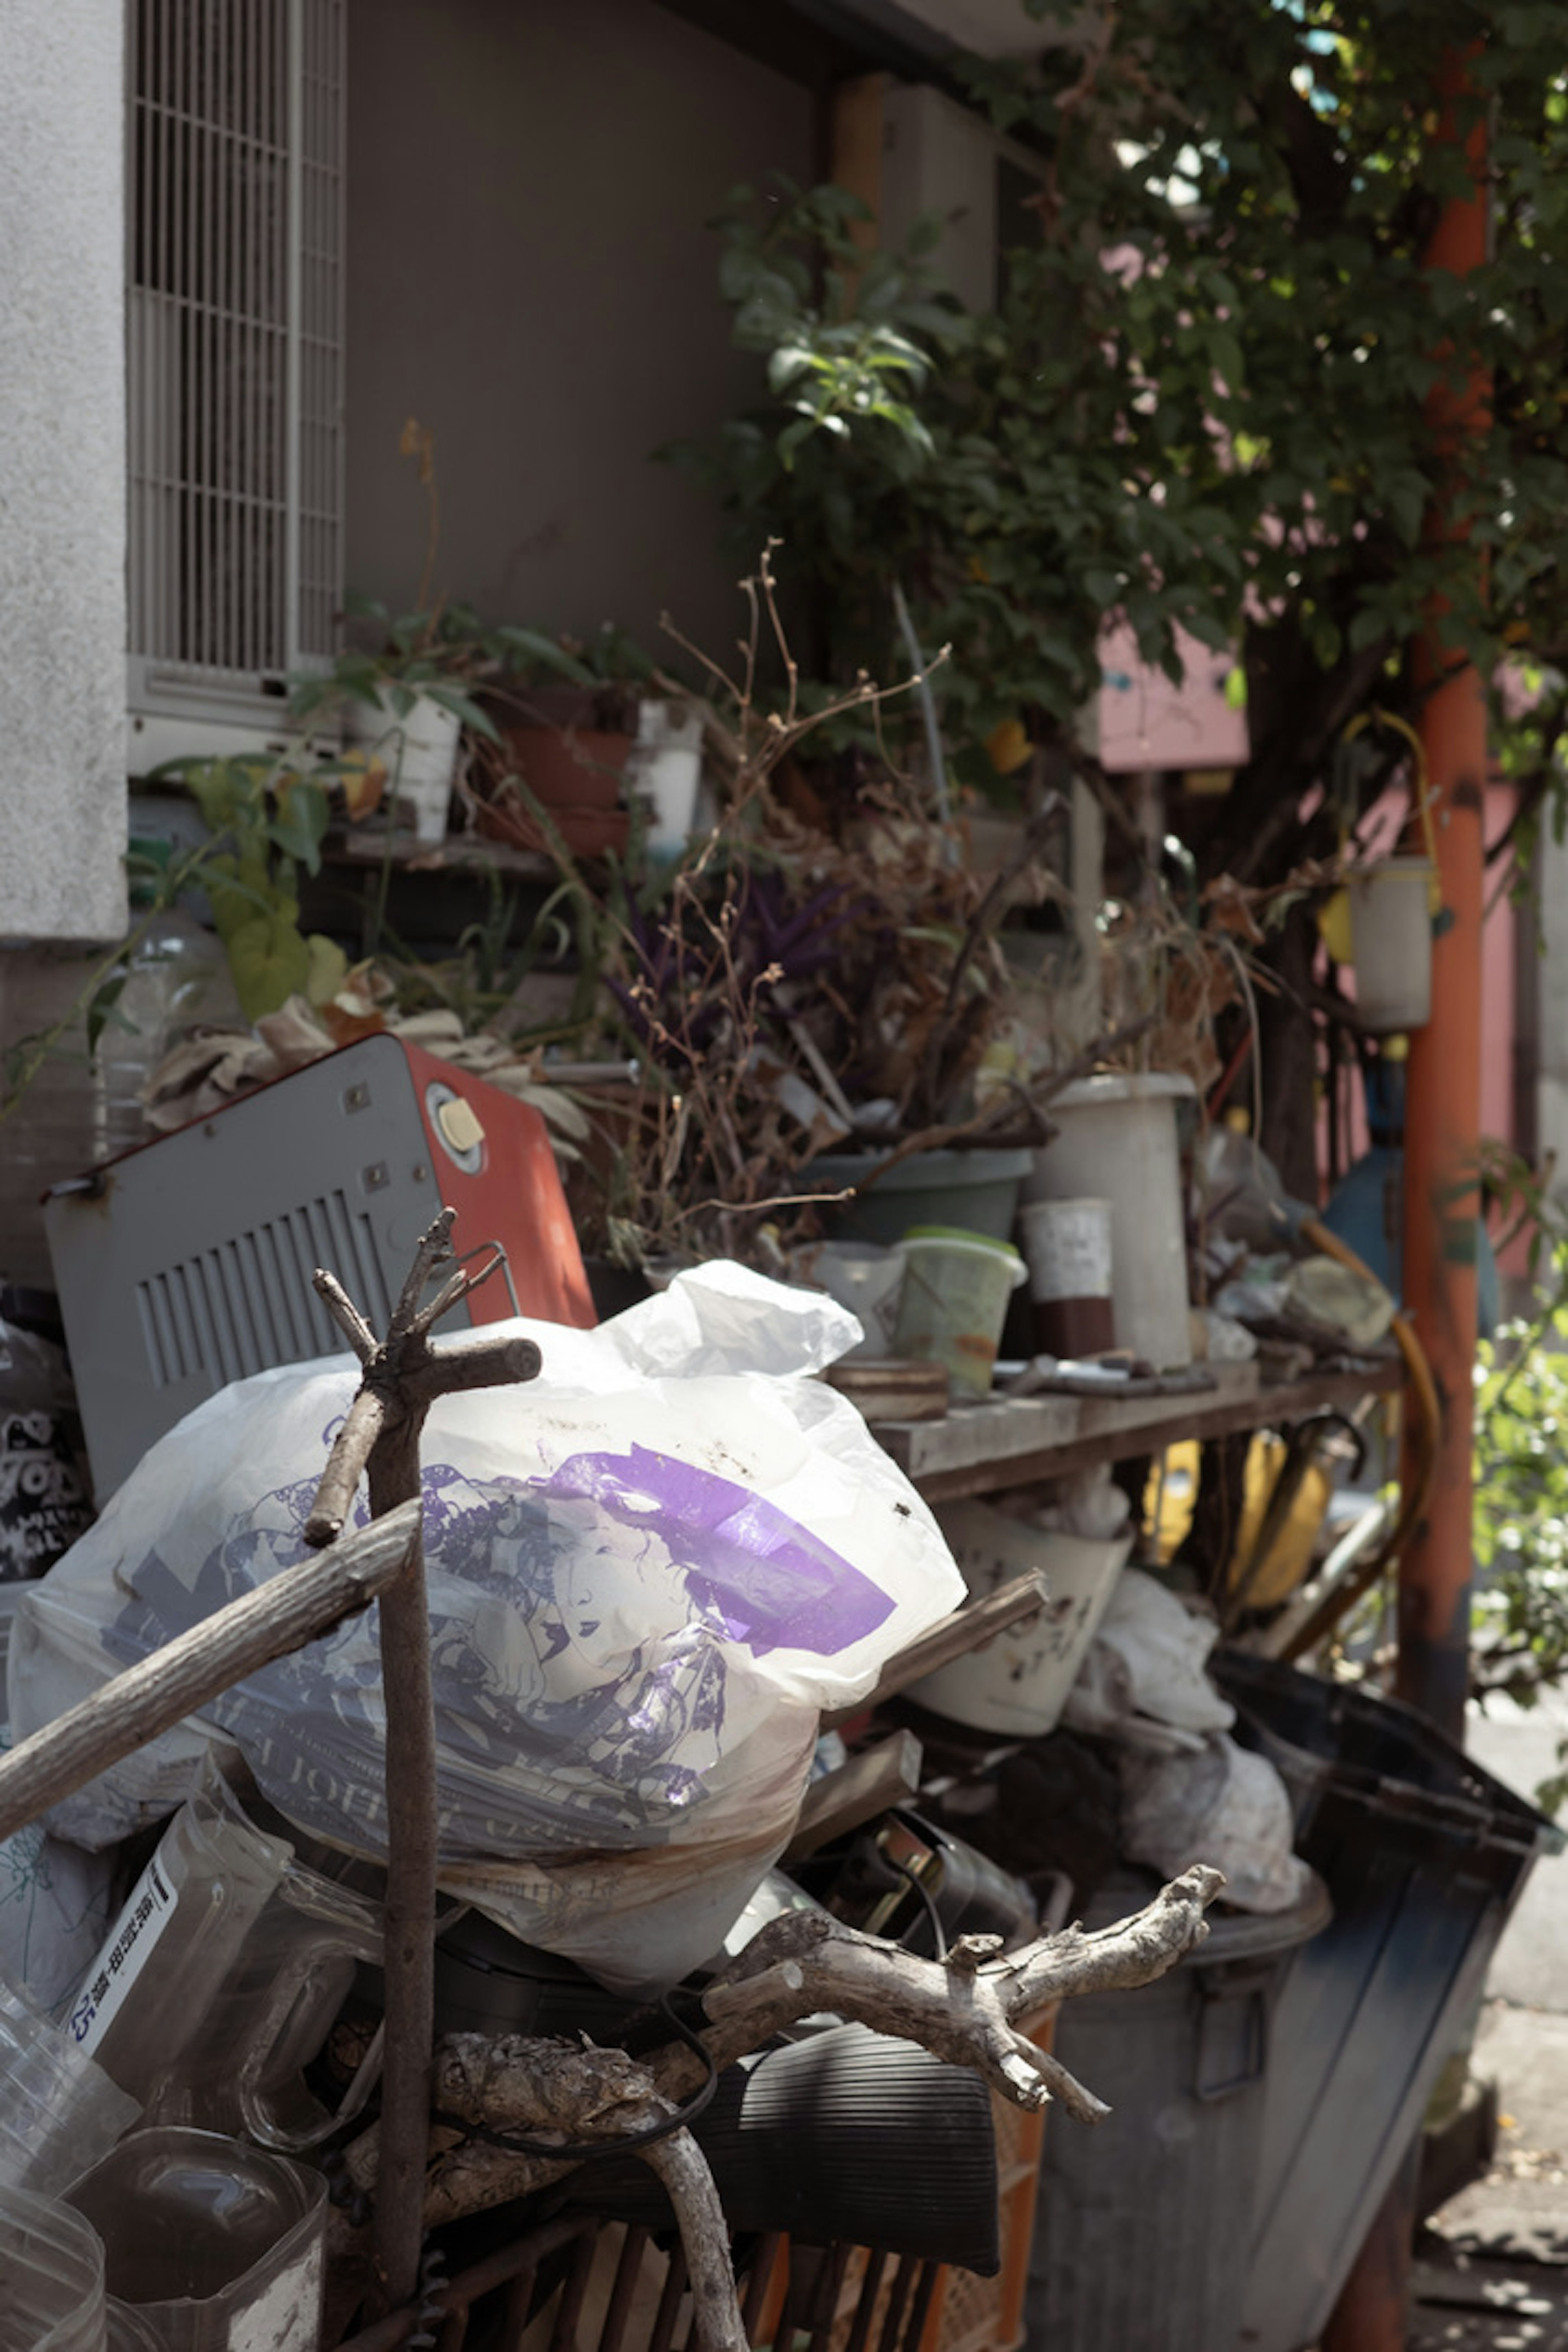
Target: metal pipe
x=1442 y=1136
x=1442 y=1117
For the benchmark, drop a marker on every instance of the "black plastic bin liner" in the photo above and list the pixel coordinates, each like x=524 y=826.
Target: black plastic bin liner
x=1141 y=2240
x=1424 y=1855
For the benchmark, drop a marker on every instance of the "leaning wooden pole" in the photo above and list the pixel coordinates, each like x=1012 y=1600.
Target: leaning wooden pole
x=404 y=1375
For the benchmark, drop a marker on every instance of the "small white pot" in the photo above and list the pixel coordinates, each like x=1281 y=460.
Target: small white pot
x=420 y=754
x=1390 y=928
x=664 y=769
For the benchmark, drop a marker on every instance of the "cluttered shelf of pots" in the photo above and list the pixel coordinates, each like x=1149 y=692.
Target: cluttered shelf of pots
x=941 y=1433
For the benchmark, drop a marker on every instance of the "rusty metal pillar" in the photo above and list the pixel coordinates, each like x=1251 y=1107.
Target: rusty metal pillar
x=1442 y=1117
x=1441 y=1134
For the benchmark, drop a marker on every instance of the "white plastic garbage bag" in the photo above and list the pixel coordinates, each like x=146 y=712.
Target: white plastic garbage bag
x=1143 y=1680
x=1225 y=1805
x=649 y=1570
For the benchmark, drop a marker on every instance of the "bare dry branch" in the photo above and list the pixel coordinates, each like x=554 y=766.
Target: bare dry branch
x=968 y=2012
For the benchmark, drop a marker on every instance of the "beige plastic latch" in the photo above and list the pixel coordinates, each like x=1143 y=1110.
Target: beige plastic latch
x=459 y=1123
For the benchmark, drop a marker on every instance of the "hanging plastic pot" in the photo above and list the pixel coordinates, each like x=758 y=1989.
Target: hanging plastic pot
x=1382 y=921
x=1392 y=906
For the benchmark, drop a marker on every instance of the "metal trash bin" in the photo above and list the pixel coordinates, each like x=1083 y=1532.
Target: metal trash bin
x=1424 y=1855
x=1140 y=2225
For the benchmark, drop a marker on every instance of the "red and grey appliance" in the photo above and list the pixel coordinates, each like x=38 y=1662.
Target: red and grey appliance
x=186 y=1263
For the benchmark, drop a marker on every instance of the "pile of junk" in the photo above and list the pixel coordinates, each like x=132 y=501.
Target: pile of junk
x=703 y=1666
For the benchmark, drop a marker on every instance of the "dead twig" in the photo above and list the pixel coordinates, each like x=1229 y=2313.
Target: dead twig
x=404 y=1375
x=584 y=2096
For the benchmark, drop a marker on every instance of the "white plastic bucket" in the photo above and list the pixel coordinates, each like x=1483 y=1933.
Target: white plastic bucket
x=1391 y=930
x=664 y=769
x=419 y=752
x=1118 y=1141
x=863 y=1276
x=1019 y=1680
x=954 y=1301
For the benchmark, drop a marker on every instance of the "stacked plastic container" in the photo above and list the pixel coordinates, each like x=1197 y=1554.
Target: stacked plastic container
x=58 y=2111
x=51 y=2278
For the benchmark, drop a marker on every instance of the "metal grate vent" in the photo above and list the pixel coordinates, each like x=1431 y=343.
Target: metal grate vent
x=248 y=1303
x=235 y=225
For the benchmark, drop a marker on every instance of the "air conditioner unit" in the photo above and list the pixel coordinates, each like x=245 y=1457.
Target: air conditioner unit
x=187 y=1263
x=940 y=159
x=235 y=360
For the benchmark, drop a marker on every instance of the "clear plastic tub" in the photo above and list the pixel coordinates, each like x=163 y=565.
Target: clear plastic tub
x=954 y=1301
x=214 y=2246
x=51 y=2277
x=59 y=2112
x=240 y=1959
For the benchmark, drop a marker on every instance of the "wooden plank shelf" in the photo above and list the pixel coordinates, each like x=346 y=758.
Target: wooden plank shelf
x=464 y=853
x=1014 y=1440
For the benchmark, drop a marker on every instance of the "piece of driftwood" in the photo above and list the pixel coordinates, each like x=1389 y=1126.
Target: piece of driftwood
x=967 y=2008
x=379 y=1440
x=560 y=2088
x=278 y=1617
x=951 y=1637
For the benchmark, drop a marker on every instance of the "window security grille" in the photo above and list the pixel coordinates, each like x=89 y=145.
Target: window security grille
x=234 y=231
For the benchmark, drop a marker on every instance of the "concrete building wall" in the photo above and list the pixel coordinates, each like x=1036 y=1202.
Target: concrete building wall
x=530 y=276
x=62 y=470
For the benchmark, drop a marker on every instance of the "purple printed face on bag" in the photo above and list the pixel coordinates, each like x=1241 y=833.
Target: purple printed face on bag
x=765 y=1579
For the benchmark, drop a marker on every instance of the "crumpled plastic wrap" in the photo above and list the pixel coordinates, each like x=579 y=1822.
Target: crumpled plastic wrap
x=1224 y=1805
x=649 y=1570
x=1143 y=1680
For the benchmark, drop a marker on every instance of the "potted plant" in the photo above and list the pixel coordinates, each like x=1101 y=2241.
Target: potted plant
x=793 y=983
x=405 y=695
x=406 y=703
x=582 y=729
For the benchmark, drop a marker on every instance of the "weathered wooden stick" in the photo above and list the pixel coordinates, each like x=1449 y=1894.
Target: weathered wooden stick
x=404 y=1375
x=278 y=1617
x=705 y=2234
x=869 y=1783
x=950 y=1637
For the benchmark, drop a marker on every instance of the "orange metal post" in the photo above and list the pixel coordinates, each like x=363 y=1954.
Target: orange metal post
x=1442 y=1131
x=1442 y=1117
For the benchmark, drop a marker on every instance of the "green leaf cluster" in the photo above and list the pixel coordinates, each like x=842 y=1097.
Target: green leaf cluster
x=265 y=820
x=1218 y=390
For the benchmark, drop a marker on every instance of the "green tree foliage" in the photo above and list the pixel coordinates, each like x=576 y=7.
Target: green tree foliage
x=1217 y=386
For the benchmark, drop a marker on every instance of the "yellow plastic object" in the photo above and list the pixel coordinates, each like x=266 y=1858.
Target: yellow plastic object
x=1288 y=1557
x=1334 y=926
x=1007 y=747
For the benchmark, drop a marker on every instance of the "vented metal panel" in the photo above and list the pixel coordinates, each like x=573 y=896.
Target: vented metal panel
x=235 y=217
x=249 y=1302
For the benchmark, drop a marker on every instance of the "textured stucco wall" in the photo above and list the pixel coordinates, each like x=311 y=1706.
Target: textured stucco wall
x=62 y=470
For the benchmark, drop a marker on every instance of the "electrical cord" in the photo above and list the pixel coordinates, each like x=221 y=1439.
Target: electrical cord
x=924 y=1891
x=586 y=2151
